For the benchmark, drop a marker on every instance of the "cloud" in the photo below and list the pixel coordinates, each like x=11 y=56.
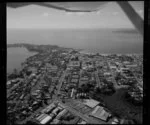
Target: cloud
x=46 y=14
x=80 y=13
x=98 y=12
x=69 y=13
x=115 y=13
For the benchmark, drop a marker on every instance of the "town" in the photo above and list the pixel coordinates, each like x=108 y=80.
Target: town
x=67 y=86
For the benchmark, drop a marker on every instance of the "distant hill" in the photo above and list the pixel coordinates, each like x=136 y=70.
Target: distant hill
x=32 y=47
x=27 y=44
x=126 y=31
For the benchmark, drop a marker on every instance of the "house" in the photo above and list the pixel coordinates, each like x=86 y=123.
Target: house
x=75 y=76
x=74 y=64
x=74 y=80
x=107 y=74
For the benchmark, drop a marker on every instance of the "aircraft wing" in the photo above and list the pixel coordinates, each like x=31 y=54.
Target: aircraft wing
x=71 y=7
x=16 y=5
x=136 y=20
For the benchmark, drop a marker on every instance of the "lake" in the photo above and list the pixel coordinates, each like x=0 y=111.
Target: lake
x=15 y=56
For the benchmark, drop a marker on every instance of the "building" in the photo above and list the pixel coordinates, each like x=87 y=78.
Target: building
x=75 y=76
x=74 y=81
x=91 y=103
x=72 y=92
x=74 y=64
x=107 y=74
x=33 y=69
x=45 y=120
x=100 y=113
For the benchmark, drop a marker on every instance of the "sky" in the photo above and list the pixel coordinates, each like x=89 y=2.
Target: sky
x=37 y=17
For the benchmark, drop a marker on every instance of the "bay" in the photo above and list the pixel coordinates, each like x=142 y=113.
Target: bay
x=15 y=56
x=91 y=40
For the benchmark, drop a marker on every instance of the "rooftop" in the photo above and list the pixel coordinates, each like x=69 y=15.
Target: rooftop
x=91 y=102
x=100 y=113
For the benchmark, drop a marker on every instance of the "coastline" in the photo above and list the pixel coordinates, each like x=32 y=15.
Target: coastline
x=38 y=50
x=89 y=52
x=19 y=68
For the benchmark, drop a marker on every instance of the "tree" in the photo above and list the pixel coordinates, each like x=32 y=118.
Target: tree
x=28 y=73
x=118 y=76
x=79 y=89
x=12 y=76
x=45 y=101
x=15 y=71
x=97 y=90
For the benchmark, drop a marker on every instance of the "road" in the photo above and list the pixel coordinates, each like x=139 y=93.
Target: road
x=61 y=81
x=88 y=119
x=85 y=117
x=80 y=75
x=97 y=79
